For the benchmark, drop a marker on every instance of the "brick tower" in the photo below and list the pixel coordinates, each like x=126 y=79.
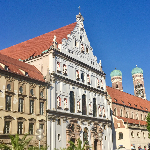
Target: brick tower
x=138 y=82
x=116 y=79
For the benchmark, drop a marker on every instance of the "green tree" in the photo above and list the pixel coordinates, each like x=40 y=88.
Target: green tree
x=77 y=146
x=148 y=124
x=17 y=143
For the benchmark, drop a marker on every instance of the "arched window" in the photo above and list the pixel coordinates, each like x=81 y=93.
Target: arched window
x=126 y=114
x=72 y=102
x=141 y=117
x=83 y=105
x=132 y=134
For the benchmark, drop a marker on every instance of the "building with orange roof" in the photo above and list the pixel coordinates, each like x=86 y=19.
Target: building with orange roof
x=77 y=100
x=129 y=111
x=22 y=100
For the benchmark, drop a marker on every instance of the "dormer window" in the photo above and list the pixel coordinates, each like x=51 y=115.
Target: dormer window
x=6 y=68
x=58 y=66
x=116 y=85
x=26 y=74
x=98 y=86
x=77 y=75
x=88 y=79
x=31 y=92
x=82 y=48
x=64 y=69
x=21 y=90
x=8 y=87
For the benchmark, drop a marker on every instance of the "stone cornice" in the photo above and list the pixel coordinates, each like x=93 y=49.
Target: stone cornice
x=53 y=114
x=56 y=77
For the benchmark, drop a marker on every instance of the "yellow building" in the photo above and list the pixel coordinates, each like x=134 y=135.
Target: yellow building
x=22 y=100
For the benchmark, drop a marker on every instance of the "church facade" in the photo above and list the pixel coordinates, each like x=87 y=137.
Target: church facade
x=77 y=103
x=129 y=112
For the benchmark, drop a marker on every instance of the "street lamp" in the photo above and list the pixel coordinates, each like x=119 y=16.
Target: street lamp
x=40 y=136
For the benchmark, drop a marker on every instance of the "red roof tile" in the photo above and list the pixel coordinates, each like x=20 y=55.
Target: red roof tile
x=16 y=66
x=129 y=100
x=37 y=45
x=133 y=121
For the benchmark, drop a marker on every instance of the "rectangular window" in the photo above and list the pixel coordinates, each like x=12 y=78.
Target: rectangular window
x=41 y=108
x=41 y=126
x=20 y=105
x=31 y=106
x=83 y=105
x=94 y=108
x=20 y=127
x=31 y=128
x=7 y=127
x=72 y=110
x=8 y=102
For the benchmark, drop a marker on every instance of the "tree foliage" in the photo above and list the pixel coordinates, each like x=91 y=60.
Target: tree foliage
x=77 y=146
x=19 y=143
x=148 y=124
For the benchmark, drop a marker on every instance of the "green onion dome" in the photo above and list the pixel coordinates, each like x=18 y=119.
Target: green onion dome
x=116 y=73
x=136 y=70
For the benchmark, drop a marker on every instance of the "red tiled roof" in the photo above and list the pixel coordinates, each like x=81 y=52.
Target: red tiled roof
x=14 y=66
x=129 y=100
x=37 y=45
x=133 y=121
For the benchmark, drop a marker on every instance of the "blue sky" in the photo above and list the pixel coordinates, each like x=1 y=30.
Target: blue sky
x=118 y=30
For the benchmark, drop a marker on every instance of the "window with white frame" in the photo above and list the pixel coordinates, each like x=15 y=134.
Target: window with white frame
x=88 y=79
x=20 y=128
x=77 y=75
x=7 y=127
x=31 y=106
x=41 y=108
x=20 y=105
x=8 y=102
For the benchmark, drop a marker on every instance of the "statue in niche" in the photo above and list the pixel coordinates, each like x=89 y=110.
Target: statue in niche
x=99 y=110
x=78 y=106
x=82 y=48
x=77 y=75
x=58 y=102
x=90 y=108
x=88 y=79
x=58 y=66
x=65 y=103
x=103 y=111
x=102 y=84
x=98 y=86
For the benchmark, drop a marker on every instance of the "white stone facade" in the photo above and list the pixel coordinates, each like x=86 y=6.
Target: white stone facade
x=78 y=89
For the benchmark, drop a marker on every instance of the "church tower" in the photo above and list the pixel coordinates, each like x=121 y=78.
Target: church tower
x=138 y=82
x=116 y=79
